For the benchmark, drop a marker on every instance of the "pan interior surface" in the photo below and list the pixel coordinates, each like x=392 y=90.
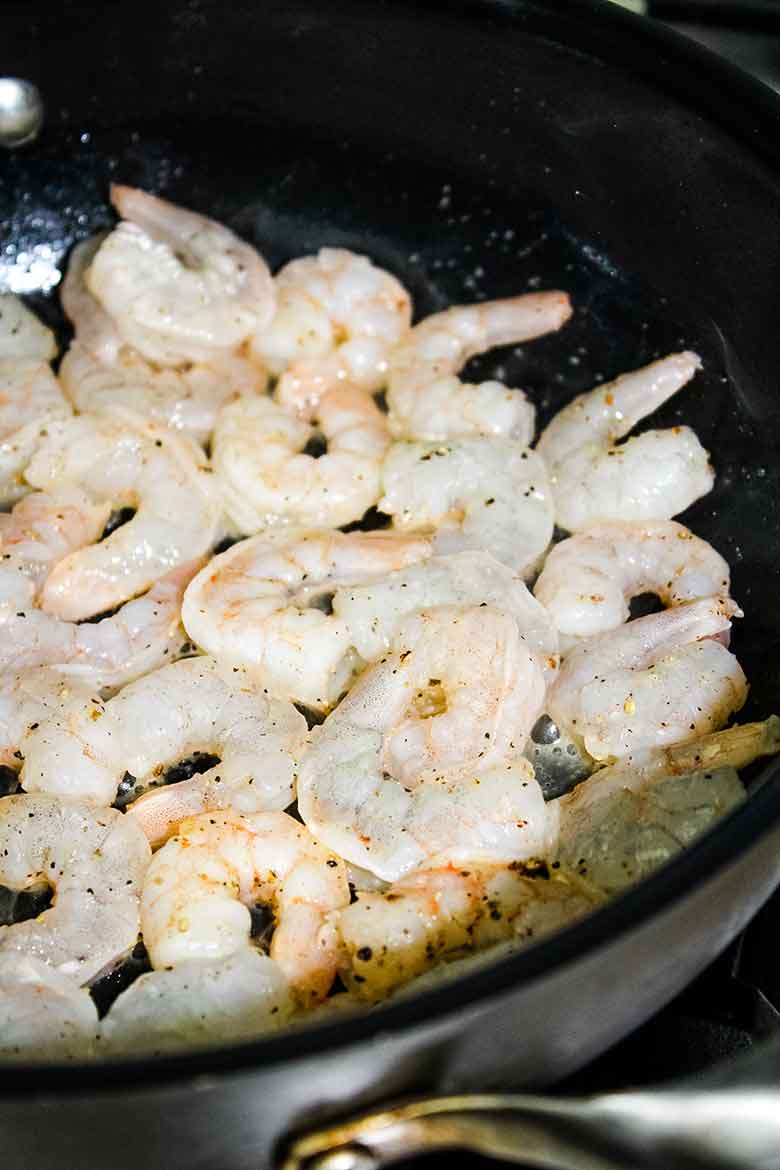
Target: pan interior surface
x=475 y=152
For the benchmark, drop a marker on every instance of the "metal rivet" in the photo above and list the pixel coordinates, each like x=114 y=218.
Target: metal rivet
x=347 y=1158
x=21 y=112
x=545 y=731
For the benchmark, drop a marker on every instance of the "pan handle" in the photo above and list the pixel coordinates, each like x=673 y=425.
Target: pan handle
x=728 y=1120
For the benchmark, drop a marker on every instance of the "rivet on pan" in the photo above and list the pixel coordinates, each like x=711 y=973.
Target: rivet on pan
x=21 y=112
x=545 y=731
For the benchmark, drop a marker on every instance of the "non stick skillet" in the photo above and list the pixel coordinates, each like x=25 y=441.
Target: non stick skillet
x=472 y=148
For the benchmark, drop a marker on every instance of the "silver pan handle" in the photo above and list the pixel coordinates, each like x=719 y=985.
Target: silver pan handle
x=728 y=1120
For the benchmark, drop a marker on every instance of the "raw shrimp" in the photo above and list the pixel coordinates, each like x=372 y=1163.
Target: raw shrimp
x=338 y=319
x=94 y=860
x=187 y=398
x=373 y=612
x=420 y=763
x=481 y=493
x=650 y=477
x=426 y=398
x=30 y=396
x=44 y=1015
x=252 y=605
x=177 y=286
x=200 y=884
x=94 y=329
x=199 y=707
x=123 y=459
x=629 y=818
x=391 y=936
x=144 y=634
x=588 y=580
x=657 y=680
x=267 y=477
x=200 y=1003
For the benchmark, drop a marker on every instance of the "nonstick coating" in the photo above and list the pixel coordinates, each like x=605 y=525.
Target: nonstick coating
x=476 y=150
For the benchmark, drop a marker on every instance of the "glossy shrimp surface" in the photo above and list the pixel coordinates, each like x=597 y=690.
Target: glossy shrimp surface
x=479 y=492
x=94 y=859
x=195 y=706
x=44 y=1015
x=176 y=285
x=657 y=680
x=128 y=461
x=589 y=580
x=338 y=320
x=267 y=477
x=652 y=476
x=255 y=604
x=200 y=884
x=30 y=396
x=420 y=764
x=427 y=400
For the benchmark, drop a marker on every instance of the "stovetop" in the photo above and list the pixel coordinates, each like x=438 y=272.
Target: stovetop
x=732 y=1005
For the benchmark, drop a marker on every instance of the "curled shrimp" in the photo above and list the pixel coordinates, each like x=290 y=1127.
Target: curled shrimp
x=94 y=860
x=652 y=476
x=199 y=886
x=176 y=285
x=338 y=318
x=44 y=1015
x=187 y=398
x=436 y=915
x=267 y=477
x=92 y=325
x=658 y=680
x=144 y=634
x=26 y=699
x=631 y=817
x=426 y=398
x=255 y=604
x=198 y=1004
x=41 y=529
x=478 y=492
x=30 y=396
x=192 y=707
x=374 y=611
x=419 y=764
x=127 y=461
x=588 y=580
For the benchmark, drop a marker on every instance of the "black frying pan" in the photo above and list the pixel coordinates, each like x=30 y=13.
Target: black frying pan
x=473 y=148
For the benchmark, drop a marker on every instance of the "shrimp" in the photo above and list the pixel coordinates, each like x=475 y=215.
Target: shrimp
x=94 y=860
x=650 y=477
x=201 y=883
x=267 y=477
x=658 y=680
x=588 y=580
x=44 y=527
x=253 y=605
x=177 y=286
x=125 y=460
x=144 y=634
x=197 y=1004
x=338 y=319
x=30 y=396
x=432 y=915
x=426 y=398
x=85 y=749
x=490 y=494
x=44 y=1015
x=420 y=763
x=94 y=329
x=631 y=817
x=187 y=398
x=374 y=611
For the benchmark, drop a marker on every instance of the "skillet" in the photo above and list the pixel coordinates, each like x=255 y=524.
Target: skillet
x=477 y=148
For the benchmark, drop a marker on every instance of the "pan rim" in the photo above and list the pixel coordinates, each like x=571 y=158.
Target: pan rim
x=750 y=110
